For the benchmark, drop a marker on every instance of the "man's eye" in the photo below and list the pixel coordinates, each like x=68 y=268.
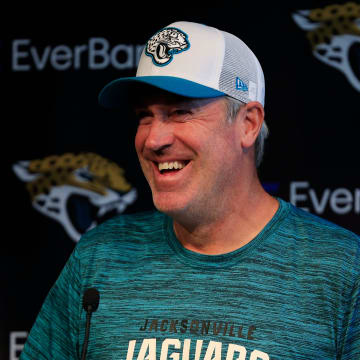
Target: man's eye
x=144 y=121
x=181 y=112
x=142 y=117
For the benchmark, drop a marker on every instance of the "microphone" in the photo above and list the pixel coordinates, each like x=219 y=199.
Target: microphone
x=90 y=303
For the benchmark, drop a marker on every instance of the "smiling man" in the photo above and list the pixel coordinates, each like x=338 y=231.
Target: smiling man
x=200 y=165
x=220 y=270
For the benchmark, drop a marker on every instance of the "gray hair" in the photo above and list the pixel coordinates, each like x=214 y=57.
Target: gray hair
x=233 y=106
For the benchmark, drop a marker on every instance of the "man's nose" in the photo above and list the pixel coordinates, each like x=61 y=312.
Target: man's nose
x=161 y=134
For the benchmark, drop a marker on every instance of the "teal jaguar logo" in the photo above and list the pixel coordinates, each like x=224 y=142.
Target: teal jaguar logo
x=165 y=44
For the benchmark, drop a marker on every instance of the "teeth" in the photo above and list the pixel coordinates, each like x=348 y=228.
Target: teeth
x=171 y=165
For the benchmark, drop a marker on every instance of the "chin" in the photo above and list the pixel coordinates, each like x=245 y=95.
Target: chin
x=170 y=205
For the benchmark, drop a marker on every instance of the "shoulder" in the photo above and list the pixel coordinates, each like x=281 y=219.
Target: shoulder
x=141 y=221
x=319 y=240
x=122 y=233
x=304 y=224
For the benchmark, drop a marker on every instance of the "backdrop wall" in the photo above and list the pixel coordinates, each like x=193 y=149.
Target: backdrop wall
x=70 y=164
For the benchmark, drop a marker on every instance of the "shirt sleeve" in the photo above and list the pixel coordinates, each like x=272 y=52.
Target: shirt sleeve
x=55 y=332
x=351 y=328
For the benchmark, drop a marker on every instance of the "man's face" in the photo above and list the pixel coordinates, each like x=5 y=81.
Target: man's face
x=188 y=151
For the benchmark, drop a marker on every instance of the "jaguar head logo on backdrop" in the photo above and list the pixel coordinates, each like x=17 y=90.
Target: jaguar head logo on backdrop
x=334 y=35
x=78 y=191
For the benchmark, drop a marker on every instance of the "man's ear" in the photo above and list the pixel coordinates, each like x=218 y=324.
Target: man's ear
x=252 y=119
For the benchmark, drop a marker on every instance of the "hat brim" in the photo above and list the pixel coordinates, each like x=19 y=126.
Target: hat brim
x=116 y=93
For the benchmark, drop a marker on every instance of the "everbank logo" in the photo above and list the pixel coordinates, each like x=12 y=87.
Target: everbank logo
x=341 y=201
x=96 y=54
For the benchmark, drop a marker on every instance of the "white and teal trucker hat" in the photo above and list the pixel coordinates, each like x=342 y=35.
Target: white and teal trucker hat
x=193 y=60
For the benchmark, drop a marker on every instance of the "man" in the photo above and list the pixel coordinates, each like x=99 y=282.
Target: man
x=222 y=270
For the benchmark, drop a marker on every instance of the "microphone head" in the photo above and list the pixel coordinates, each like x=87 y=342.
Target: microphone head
x=91 y=299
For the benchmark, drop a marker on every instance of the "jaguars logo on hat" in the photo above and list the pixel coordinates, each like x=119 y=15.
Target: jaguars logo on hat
x=165 y=44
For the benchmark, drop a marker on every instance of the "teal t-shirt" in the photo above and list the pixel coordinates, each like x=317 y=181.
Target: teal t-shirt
x=291 y=293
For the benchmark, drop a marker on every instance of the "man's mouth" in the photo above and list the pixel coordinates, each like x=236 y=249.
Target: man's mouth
x=171 y=166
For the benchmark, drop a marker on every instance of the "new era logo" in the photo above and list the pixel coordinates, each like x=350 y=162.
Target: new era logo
x=240 y=85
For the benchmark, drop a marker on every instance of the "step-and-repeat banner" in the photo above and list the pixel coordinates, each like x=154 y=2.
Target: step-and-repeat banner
x=70 y=165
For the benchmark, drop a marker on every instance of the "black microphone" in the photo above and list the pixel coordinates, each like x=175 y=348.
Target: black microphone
x=90 y=304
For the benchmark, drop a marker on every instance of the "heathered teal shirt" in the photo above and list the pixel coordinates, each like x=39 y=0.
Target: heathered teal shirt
x=291 y=293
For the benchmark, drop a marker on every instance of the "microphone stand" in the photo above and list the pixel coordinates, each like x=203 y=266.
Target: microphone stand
x=90 y=304
x=87 y=332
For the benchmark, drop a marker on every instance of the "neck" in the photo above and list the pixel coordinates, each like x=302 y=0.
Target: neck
x=232 y=227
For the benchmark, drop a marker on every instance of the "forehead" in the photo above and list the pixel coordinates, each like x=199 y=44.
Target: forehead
x=155 y=96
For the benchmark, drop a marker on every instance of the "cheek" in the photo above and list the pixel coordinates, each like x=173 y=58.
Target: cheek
x=140 y=138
